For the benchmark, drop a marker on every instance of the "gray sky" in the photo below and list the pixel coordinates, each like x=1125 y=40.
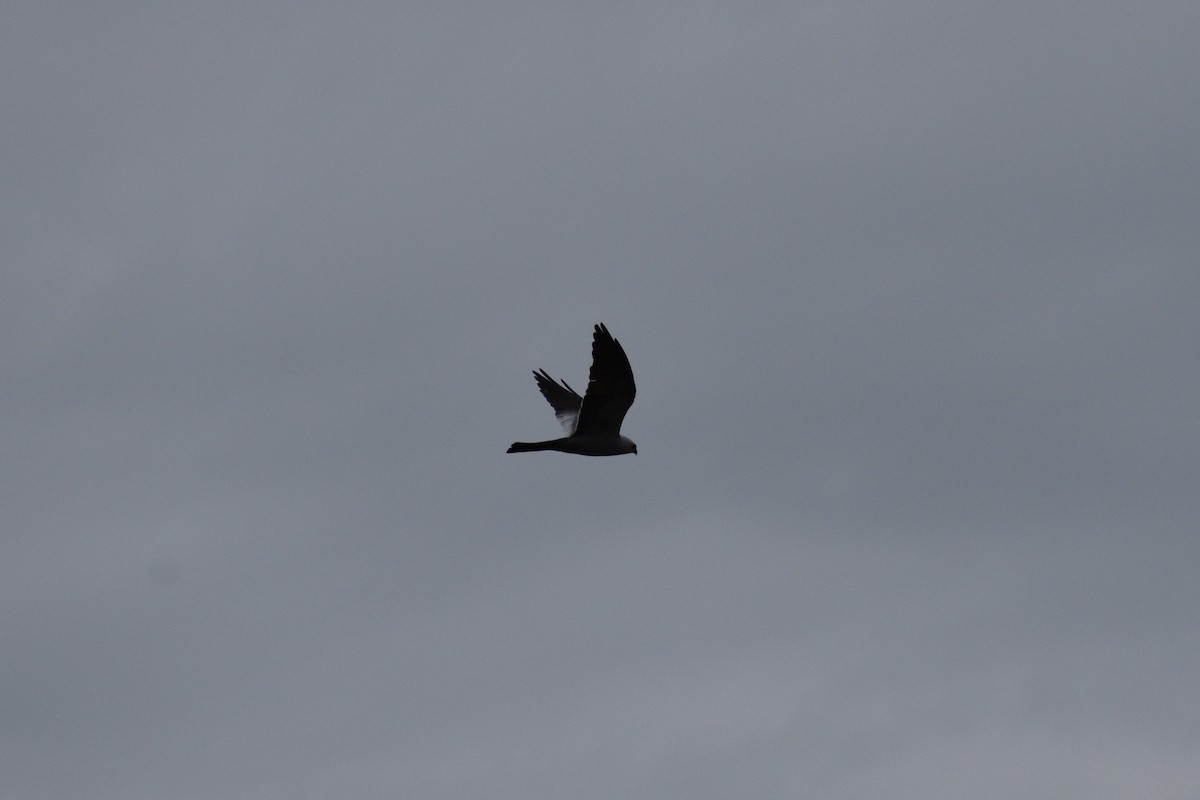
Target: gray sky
x=911 y=294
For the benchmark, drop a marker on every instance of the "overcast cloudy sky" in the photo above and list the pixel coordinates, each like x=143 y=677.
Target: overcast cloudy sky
x=911 y=292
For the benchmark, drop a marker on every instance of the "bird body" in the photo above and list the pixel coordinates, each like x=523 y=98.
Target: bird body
x=592 y=422
x=583 y=445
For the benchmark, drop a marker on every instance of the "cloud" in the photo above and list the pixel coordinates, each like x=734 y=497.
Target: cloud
x=909 y=299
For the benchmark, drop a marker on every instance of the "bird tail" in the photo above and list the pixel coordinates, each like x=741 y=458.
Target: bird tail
x=529 y=447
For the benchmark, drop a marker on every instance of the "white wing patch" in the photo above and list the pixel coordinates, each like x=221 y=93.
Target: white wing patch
x=568 y=420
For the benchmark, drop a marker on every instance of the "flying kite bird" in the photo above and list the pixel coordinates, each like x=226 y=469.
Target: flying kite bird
x=592 y=422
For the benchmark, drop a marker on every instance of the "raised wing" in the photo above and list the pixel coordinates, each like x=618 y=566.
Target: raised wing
x=610 y=389
x=563 y=399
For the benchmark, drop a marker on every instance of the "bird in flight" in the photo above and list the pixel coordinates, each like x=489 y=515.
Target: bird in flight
x=592 y=422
